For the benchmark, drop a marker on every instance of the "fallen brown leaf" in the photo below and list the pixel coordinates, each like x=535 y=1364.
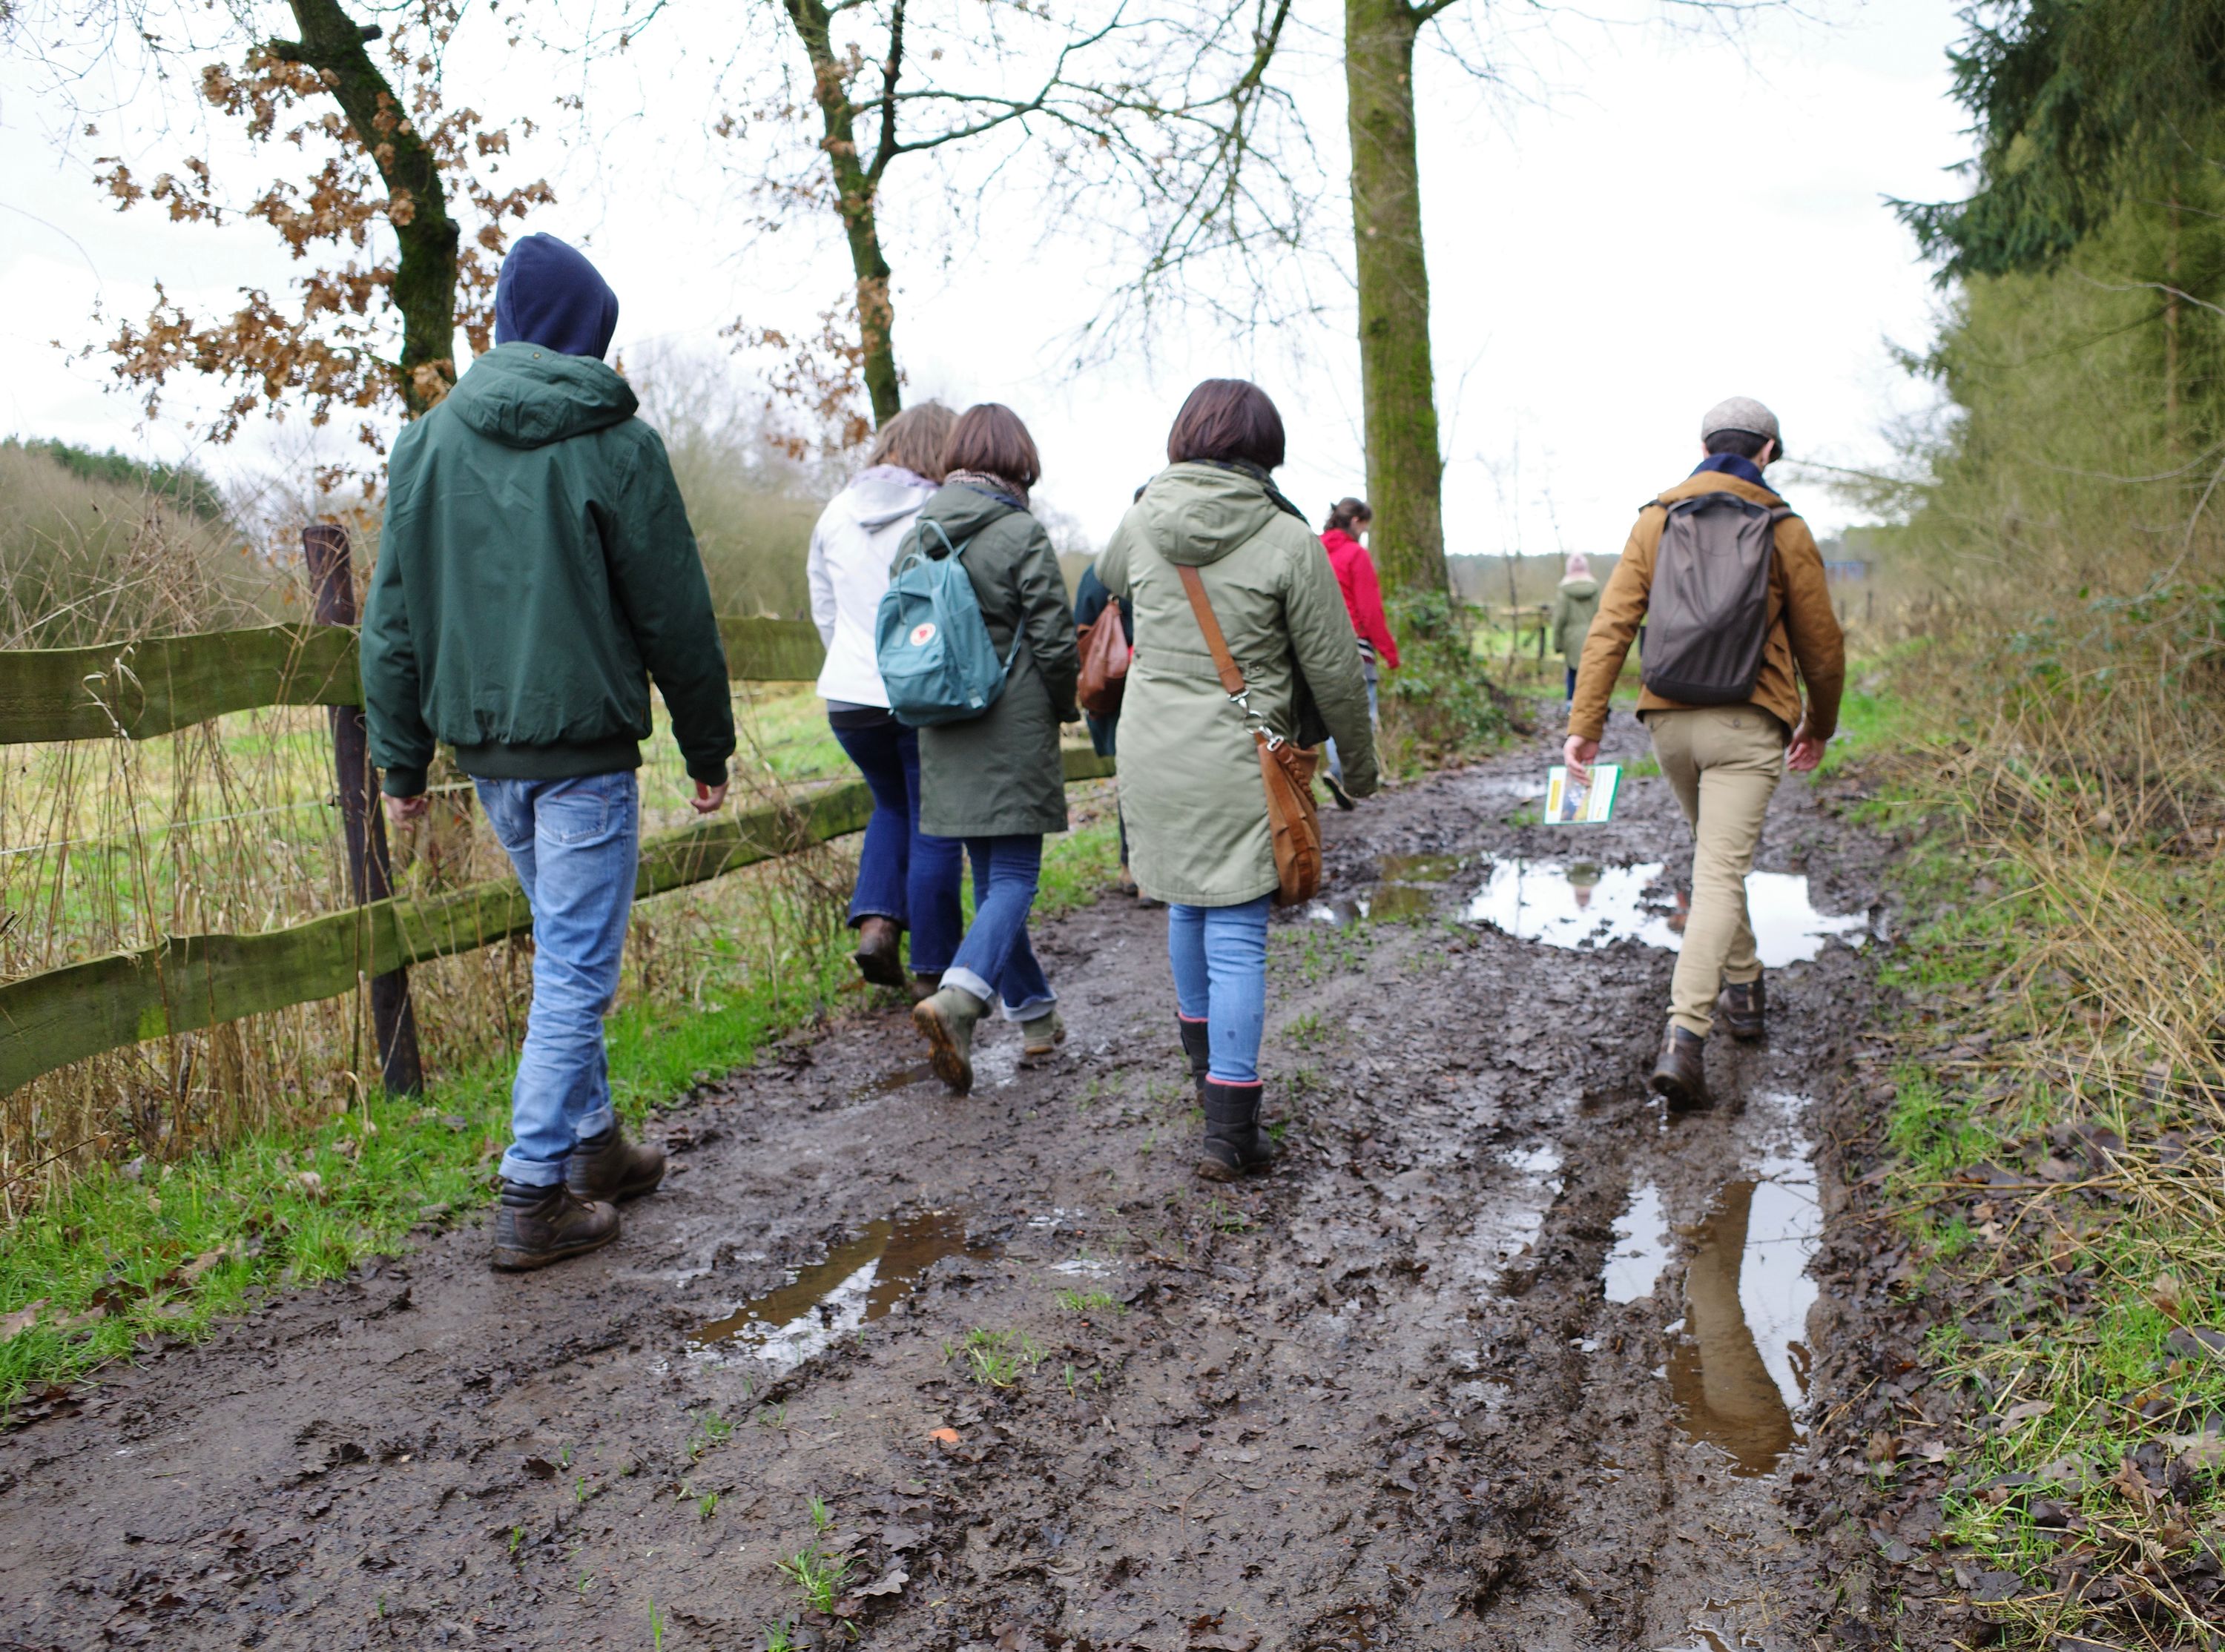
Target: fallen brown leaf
x=947 y=1436
x=14 y=1325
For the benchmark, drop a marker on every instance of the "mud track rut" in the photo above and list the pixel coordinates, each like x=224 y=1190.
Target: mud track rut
x=1378 y=1400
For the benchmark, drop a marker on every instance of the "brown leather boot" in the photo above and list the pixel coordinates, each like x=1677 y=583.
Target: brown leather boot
x=535 y=1226
x=1681 y=1074
x=1741 y=1009
x=924 y=987
x=613 y=1169
x=879 y=956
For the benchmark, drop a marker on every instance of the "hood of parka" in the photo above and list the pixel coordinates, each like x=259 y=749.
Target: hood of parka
x=1581 y=585
x=962 y=511
x=1197 y=513
x=529 y=396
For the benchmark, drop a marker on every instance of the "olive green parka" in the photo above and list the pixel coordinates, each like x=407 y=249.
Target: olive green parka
x=999 y=775
x=1190 y=786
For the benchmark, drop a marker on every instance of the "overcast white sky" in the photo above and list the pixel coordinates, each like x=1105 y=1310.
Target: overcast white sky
x=1680 y=219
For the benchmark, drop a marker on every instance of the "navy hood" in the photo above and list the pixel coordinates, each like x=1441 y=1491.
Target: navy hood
x=549 y=295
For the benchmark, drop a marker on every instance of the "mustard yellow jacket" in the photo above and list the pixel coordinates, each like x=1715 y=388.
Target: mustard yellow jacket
x=1805 y=644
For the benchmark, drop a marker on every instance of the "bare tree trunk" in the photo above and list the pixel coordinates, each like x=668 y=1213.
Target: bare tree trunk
x=1406 y=471
x=425 y=275
x=857 y=193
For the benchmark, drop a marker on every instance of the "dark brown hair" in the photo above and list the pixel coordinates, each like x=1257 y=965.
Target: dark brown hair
x=1347 y=512
x=1229 y=419
x=915 y=439
x=990 y=438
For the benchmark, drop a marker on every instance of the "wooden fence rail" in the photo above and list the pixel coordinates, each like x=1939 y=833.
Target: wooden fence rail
x=158 y=685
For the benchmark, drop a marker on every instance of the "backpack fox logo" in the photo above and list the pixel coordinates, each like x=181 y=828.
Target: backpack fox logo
x=923 y=634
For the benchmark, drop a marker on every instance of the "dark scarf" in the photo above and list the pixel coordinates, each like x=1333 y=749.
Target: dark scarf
x=997 y=487
x=1735 y=465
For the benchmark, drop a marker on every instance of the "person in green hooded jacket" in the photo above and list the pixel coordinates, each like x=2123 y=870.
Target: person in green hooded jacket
x=1190 y=783
x=998 y=780
x=535 y=571
x=1575 y=604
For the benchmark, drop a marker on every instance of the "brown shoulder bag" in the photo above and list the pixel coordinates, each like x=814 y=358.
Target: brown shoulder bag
x=1286 y=770
x=1105 y=656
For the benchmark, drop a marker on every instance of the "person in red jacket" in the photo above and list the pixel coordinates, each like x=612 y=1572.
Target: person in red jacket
x=1363 y=600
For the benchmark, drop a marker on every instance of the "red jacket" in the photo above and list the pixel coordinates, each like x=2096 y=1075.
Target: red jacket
x=1363 y=597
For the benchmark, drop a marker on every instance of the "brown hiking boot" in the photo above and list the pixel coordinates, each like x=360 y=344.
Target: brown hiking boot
x=1741 y=1009
x=923 y=987
x=535 y=1226
x=613 y=1169
x=947 y=1019
x=1681 y=1074
x=879 y=956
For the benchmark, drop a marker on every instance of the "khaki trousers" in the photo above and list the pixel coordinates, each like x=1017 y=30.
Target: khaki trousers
x=1723 y=762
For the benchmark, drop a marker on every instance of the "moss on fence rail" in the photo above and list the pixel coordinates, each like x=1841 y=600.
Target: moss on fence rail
x=158 y=685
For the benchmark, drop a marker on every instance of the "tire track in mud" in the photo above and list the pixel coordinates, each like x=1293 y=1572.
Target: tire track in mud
x=1379 y=1399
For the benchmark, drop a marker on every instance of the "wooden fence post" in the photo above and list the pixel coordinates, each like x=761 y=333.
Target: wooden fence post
x=371 y=873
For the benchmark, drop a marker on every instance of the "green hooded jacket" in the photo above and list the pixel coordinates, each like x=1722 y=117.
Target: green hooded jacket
x=999 y=775
x=1190 y=788
x=1575 y=604
x=535 y=569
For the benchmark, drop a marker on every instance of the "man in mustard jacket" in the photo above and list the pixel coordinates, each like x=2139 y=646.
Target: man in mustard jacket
x=1722 y=761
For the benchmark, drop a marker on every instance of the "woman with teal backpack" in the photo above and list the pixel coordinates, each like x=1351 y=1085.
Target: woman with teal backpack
x=995 y=778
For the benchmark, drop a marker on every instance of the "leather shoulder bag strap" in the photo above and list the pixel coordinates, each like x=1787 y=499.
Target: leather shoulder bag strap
x=1232 y=679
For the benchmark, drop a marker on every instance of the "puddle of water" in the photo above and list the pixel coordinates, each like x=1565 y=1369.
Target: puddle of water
x=1580 y=904
x=902 y=1079
x=860 y=1281
x=1641 y=1248
x=1085 y=1267
x=1740 y=1374
x=1406 y=888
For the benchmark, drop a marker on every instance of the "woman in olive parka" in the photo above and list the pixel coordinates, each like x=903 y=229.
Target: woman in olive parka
x=997 y=779
x=1189 y=771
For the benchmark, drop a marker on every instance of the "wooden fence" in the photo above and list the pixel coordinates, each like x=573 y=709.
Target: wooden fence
x=184 y=983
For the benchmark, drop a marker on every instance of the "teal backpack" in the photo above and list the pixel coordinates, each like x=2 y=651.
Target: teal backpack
x=936 y=658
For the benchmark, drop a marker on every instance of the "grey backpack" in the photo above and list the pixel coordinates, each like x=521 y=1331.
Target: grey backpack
x=1707 y=615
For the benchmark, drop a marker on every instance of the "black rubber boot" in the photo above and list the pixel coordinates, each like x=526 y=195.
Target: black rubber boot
x=1234 y=1144
x=1743 y=1008
x=1681 y=1074
x=1197 y=1044
x=610 y=1168
x=535 y=1226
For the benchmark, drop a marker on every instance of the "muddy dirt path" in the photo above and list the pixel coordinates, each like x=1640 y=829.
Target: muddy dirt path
x=1500 y=1357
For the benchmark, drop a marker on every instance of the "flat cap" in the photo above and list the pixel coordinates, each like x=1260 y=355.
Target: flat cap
x=1743 y=413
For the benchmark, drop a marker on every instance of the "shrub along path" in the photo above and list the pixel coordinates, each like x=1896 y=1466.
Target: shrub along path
x=1017 y=1379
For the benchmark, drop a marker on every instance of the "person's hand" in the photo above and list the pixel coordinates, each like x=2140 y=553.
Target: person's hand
x=407 y=810
x=708 y=800
x=1804 y=751
x=1578 y=754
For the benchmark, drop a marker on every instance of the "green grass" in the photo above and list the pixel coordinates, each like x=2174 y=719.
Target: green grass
x=111 y=1259
x=999 y=1358
x=1090 y=1302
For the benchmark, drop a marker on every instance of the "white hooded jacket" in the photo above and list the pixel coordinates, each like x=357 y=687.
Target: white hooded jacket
x=851 y=550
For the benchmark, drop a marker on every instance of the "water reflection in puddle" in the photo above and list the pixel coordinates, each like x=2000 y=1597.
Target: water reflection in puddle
x=1641 y=1248
x=1406 y=887
x=1581 y=904
x=1740 y=1371
x=860 y=1281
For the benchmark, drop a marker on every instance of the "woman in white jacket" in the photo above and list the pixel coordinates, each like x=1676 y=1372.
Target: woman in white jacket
x=905 y=879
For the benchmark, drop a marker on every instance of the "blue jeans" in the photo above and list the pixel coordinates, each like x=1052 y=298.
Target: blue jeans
x=994 y=962
x=576 y=847
x=904 y=875
x=1337 y=763
x=1219 y=959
